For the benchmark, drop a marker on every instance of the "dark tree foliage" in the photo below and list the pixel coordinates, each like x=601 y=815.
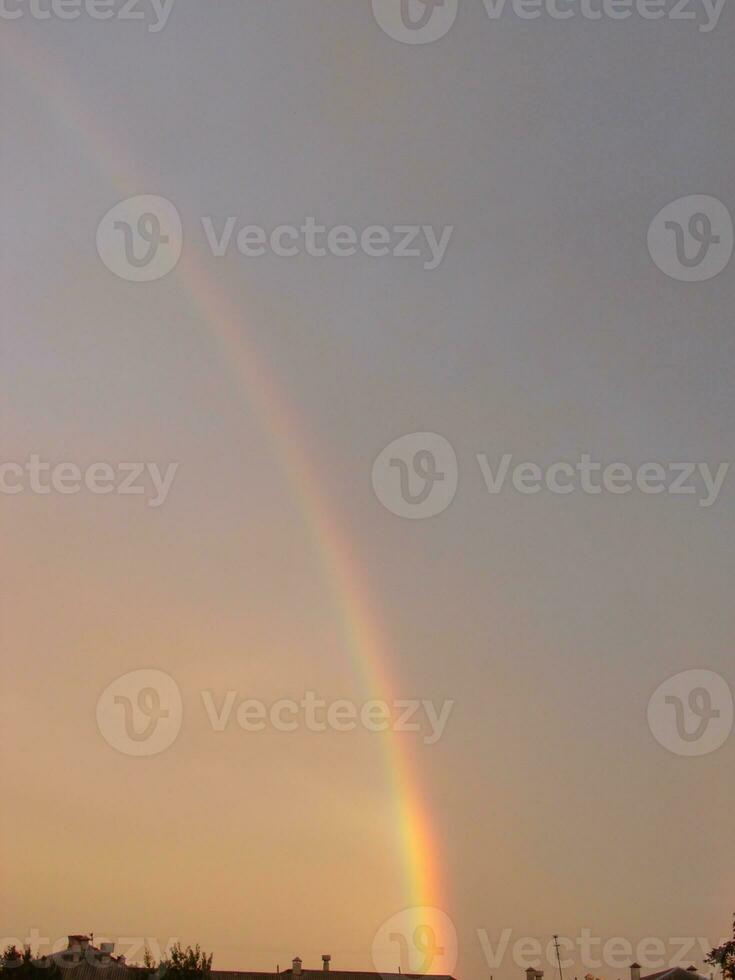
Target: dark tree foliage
x=22 y=966
x=180 y=964
x=724 y=957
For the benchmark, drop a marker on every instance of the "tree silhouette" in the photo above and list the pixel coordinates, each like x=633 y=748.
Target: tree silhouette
x=724 y=956
x=21 y=966
x=180 y=964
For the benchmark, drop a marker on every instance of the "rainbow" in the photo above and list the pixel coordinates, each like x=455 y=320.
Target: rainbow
x=366 y=642
x=368 y=647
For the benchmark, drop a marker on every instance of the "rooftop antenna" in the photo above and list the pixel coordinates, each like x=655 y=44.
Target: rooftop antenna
x=558 y=957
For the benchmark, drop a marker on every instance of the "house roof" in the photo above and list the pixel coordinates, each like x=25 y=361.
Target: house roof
x=329 y=975
x=86 y=970
x=110 y=969
x=676 y=973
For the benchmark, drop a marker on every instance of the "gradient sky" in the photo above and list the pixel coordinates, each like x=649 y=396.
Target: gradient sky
x=546 y=332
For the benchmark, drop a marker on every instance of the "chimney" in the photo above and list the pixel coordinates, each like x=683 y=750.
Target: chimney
x=296 y=966
x=326 y=960
x=106 y=951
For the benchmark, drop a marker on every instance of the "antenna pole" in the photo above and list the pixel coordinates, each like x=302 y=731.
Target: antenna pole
x=558 y=957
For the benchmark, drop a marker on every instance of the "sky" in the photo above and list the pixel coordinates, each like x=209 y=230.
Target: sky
x=282 y=554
